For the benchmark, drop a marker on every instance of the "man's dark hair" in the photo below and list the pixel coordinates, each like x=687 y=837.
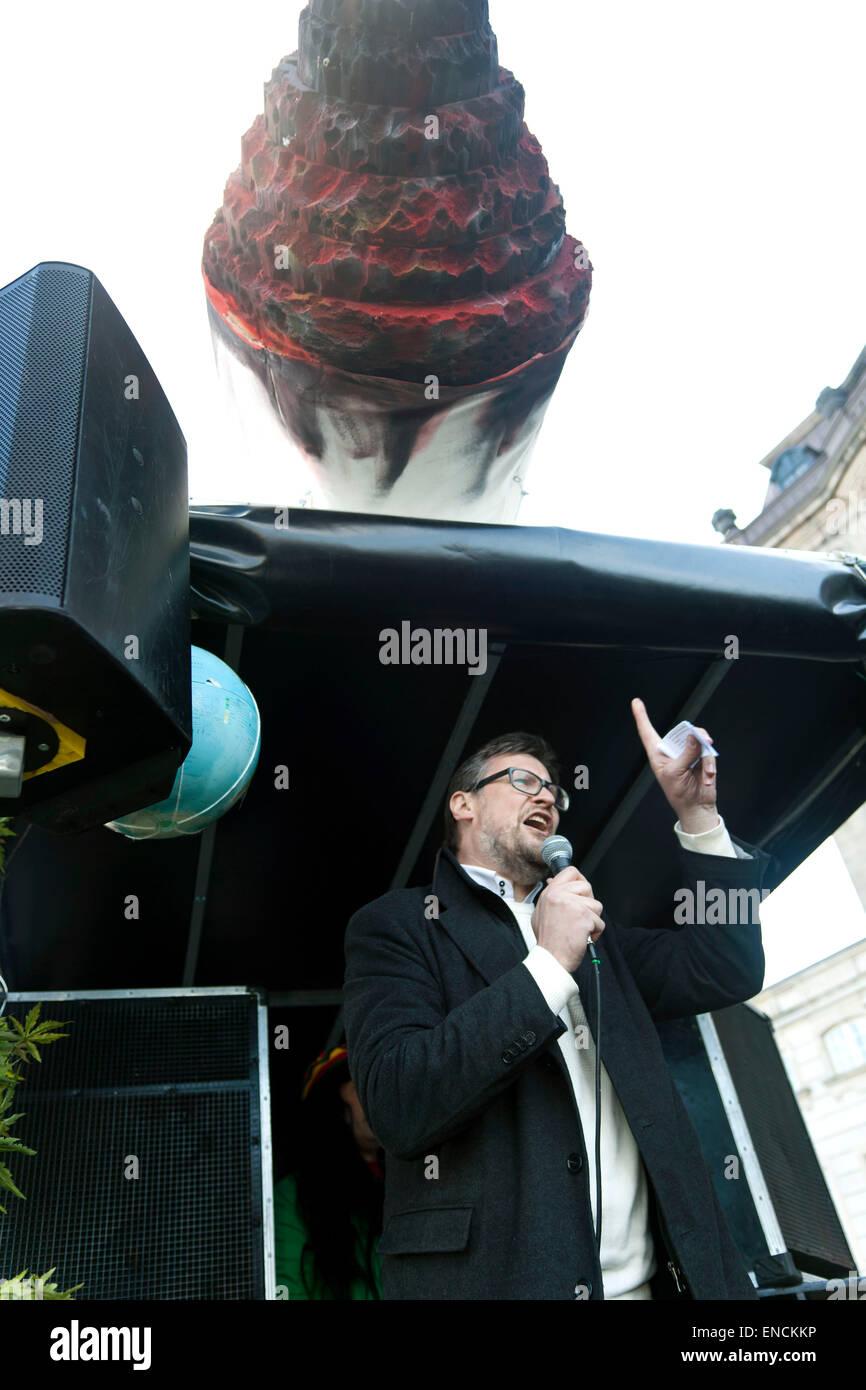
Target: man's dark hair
x=473 y=769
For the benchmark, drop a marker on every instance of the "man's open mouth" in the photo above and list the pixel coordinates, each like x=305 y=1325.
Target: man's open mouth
x=539 y=821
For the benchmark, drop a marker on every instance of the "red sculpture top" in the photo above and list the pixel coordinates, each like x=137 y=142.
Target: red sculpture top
x=392 y=214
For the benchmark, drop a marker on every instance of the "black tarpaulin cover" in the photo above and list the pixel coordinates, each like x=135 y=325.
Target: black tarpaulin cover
x=763 y=648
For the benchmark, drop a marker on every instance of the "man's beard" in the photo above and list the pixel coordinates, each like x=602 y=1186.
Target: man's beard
x=519 y=865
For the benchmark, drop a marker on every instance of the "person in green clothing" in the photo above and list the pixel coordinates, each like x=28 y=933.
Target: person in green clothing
x=328 y=1209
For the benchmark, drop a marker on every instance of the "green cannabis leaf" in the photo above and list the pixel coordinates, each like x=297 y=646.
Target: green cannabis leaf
x=17 y=1045
x=24 y=1286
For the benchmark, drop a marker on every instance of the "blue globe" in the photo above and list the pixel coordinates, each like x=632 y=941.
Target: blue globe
x=214 y=775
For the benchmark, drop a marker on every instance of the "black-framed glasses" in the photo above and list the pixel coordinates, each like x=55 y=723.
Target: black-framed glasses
x=529 y=783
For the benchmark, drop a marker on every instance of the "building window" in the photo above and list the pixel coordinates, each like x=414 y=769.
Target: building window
x=792 y=463
x=846 y=1045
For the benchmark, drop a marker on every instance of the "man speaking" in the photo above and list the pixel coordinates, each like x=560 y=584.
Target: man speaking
x=471 y=1028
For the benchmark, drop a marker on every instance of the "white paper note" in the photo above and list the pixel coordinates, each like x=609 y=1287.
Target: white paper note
x=674 y=743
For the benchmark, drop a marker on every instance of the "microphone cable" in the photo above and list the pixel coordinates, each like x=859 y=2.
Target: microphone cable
x=557 y=854
x=593 y=955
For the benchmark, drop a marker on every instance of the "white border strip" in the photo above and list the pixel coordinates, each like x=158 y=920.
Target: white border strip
x=182 y=992
x=267 y=1161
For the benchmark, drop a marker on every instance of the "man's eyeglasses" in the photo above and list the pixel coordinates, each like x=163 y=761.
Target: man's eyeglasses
x=529 y=783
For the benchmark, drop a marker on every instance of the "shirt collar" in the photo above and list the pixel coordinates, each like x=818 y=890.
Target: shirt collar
x=498 y=884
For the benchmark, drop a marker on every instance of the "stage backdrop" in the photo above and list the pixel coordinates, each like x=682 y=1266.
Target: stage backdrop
x=765 y=649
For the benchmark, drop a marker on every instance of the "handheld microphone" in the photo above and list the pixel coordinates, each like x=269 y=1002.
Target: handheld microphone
x=557 y=854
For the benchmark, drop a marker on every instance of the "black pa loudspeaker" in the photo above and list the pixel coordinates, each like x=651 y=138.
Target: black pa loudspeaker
x=95 y=699
x=764 y=1168
x=150 y=1120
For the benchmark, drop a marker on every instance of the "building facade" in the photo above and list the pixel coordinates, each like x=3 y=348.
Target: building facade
x=816 y=497
x=816 y=500
x=819 y=1021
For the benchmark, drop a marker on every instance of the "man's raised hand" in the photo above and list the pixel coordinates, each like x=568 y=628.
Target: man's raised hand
x=690 y=791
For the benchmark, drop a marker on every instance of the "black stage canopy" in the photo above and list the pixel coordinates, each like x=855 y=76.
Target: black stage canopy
x=764 y=648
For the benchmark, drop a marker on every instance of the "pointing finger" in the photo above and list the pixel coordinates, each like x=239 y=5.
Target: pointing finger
x=648 y=736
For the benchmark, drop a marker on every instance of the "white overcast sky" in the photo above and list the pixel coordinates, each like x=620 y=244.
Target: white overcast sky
x=709 y=157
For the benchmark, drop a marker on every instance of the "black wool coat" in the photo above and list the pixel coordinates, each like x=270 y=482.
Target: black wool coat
x=453 y=1051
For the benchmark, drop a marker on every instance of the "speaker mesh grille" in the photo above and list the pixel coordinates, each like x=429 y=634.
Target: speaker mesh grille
x=796 y=1184
x=43 y=338
x=173 y=1082
x=144 y=1042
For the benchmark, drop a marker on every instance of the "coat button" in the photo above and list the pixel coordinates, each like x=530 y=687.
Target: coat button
x=574 y=1163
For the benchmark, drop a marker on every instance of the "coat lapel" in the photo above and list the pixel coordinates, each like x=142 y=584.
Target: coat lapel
x=483 y=928
x=480 y=925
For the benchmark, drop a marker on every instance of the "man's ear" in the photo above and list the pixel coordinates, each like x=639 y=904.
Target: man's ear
x=461 y=806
